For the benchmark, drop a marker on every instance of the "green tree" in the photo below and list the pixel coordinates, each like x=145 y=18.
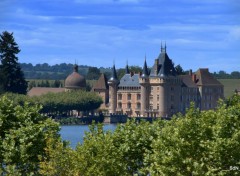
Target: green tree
x=93 y=73
x=13 y=80
x=56 y=83
x=235 y=75
x=197 y=143
x=64 y=102
x=179 y=70
x=24 y=135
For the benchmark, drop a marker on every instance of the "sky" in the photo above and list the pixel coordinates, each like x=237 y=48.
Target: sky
x=197 y=33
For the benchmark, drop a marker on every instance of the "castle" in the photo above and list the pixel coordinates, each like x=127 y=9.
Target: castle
x=158 y=92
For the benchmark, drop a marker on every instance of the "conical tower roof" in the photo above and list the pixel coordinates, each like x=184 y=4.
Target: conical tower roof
x=145 y=73
x=101 y=83
x=127 y=69
x=113 y=77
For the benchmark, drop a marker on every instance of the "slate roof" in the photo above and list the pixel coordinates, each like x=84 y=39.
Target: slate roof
x=187 y=81
x=164 y=65
x=205 y=78
x=101 y=83
x=145 y=72
x=37 y=91
x=129 y=81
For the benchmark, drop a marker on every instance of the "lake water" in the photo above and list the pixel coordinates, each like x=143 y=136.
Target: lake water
x=75 y=133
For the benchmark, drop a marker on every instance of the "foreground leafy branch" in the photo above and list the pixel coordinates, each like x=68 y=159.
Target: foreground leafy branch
x=197 y=143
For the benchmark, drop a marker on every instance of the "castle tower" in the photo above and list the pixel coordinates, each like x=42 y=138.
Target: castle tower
x=144 y=82
x=165 y=86
x=113 y=85
x=102 y=89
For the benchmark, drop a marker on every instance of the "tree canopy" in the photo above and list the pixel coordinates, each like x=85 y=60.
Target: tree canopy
x=24 y=134
x=197 y=143
x=61 y=103
x=12 y=77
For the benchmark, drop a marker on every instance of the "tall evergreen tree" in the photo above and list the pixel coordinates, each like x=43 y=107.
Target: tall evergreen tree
x=12 y=76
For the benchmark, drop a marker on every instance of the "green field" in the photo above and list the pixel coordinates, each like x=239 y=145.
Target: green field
x=229 y=86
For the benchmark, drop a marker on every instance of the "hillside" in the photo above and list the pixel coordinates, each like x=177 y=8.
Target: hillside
x=229 y=86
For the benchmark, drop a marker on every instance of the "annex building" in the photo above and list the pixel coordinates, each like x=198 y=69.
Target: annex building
x=158 y=92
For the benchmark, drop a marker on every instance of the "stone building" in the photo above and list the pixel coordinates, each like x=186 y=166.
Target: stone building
x=160 y=92
x=74 y=81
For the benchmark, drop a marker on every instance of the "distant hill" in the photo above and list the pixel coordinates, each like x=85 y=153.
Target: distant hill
x=61 y=71
x=230 y=85
x=54 y=72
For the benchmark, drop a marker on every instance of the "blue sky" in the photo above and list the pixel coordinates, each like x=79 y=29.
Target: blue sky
x=198 y=33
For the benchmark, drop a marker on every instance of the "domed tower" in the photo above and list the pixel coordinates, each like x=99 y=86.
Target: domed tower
x=113 y=85
x=144 y=82
x=75 y=81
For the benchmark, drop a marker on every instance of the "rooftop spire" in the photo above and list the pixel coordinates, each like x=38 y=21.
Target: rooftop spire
x=145 y=69
x=75 y=68
x=164 y=49
x=114 y=74
x=126 y=69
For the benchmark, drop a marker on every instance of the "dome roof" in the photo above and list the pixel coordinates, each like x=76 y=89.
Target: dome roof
x=75 y=80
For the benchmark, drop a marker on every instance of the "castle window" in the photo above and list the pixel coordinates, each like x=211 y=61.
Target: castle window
x=151 y=97
x=120 y=105
x=206 y=90
x=157 y=97
x=138 y=105
x=157 y=106
x=220 y=90
x=138 y=97
x=119 y=96
x=151 y=106
x=172 y=88
x=129 y=96
x=172 y=98
x=210 y=90
x=129 y=105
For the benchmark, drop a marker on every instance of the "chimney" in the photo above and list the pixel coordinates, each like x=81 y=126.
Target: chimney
x=131 y=73
x=190 y=72
x=156 y=66
x=194 y=78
